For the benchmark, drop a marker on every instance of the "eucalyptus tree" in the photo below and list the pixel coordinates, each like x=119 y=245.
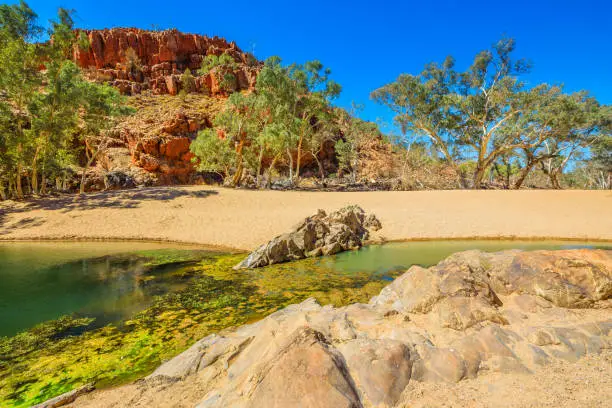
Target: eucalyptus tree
x=299 y=97
x=285 y=114
x=558 y=128
x=601 y=162
x=279 y=95
x=325 y=132
x=355 y=133
x=237 y=127
x=462 y=112
x=421 y=104
x=314 y=94
x=101 y=105
x=212 y=152
x=45 y=102
x=67 y=106
x=248 y=122
x=585 y=123
x=19 y=81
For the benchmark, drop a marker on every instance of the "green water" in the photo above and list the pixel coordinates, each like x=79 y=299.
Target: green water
x=43 y=281
x=111 y=312
x=111 y=281
x=379 y=258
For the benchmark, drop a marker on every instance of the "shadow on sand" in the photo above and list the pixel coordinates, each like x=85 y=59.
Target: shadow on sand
x=104 y=199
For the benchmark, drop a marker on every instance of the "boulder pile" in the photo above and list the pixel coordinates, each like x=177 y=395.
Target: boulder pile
x=320 y=234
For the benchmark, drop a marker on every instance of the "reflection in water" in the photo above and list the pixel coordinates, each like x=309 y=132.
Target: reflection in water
x=109 y=288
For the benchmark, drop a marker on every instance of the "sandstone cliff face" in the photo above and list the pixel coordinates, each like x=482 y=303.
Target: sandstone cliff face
x=151 y=147
x=162 y=57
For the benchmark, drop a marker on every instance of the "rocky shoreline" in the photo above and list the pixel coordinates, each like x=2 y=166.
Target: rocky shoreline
x=473 y=314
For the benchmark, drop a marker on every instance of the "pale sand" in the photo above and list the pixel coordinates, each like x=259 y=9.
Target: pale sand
x=586 y=383
x=244 y=219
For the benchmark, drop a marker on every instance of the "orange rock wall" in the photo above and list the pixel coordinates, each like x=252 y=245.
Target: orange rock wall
x=163 y=57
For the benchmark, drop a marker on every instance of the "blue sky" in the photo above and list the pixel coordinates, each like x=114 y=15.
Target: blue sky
x=367 y=44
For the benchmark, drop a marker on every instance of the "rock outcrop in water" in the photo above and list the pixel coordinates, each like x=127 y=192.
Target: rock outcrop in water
x=473 y=313
x=318 y=235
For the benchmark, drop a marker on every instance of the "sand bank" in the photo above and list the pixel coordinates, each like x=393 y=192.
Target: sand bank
x=244 y=219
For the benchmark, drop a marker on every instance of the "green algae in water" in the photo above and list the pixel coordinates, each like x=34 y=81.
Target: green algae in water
x=108 y=287
x=60 y=355
x=214 y=298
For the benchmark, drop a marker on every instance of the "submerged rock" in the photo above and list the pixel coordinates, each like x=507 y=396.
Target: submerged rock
x=320 y=234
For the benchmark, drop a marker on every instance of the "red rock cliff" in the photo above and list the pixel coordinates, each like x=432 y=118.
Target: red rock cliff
x=162 y=57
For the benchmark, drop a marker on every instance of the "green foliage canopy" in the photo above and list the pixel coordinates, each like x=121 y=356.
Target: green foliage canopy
x=43 y=112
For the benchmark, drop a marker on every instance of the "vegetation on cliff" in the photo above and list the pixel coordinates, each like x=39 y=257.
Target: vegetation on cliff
x=254 y=124
x=289 y=114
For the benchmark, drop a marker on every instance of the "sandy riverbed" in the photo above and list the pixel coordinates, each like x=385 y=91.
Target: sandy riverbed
x=244 y=219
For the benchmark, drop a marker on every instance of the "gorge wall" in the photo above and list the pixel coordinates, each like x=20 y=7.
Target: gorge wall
x=158 y=59
x=151 y=147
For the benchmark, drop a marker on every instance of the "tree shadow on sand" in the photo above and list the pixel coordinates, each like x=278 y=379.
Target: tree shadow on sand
x=106 y=199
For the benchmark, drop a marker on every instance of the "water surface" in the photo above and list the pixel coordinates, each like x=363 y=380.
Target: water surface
x=111 y=281
x=393 y=255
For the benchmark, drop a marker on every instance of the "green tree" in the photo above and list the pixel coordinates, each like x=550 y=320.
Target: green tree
x=462 y=111
x=314 y=92
x=213 y=154
x=238 y=123
x=101 y=106
x=285 y=114
x=300 y=98
x=188 y=81
x=44 y=113
x=557 y=129
x=222 y=68
x=601 y=162
x=19 y=82
x=488 y=114
x=583 y=124
x=355 y=133
x=56 y=110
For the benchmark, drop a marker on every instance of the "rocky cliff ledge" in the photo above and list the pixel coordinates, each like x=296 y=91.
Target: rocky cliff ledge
x=157 y=59
x=474 y=313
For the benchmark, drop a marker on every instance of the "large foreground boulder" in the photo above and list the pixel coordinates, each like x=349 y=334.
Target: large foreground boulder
x=318 y=235
x=472 y=314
